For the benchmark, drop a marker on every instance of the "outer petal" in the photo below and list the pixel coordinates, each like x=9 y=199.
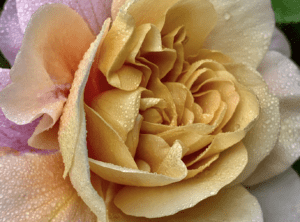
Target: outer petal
x=279 y=197
x=11 y=34
x=279 y=43
x=261 y=138
x=33 y=189
x=244 y=38
x=232 y=205
x=44 y=69
x=72 y=133
x=11 y=134
x=283 y=78
x=94 y=12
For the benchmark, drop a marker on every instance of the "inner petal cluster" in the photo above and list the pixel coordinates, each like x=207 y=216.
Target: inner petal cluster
x=167 y=113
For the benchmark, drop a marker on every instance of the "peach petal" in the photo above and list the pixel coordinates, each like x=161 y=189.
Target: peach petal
x=182 y=98
x=115 y=6
x=72 y=121
x=72 y=124
x=130 y=177
x=254 y=31
x=152 y=7
x=191 y=139
x=200 y=166
x=220 y=142
x=44 y=68
x=33 y=188
x=170 y=199
x=104 y=143
x=175 y=40
x=235 y=204
x=118 y=109
x=188 y=14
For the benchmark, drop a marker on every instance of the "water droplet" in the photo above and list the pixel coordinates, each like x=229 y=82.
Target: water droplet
x=227 y=16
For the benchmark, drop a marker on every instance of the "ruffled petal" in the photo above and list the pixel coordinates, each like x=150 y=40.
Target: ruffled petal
x=33 y=189
x=13 y=135
x=254 y=32
x=283 y=78
x=44 y=69
x=279 y=197
x=94 y=12
x=152 y=202
x=11 y=35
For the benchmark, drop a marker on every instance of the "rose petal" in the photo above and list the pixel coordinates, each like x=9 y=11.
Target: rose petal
x=279 y=197
x=153 y=202
x=188 y=13
x=94 y=12
x=235 y=204
x=44 y=68
x=283 y=78
x=104 y=142
x=261 y=138
x=73 y=125
x=33 y=189
x=10 y=35
x=280 y=43
x=254 y=31
x=13 y=135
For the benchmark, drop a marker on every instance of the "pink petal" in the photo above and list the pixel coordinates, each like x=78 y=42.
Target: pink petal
x=279 y=197
x=33 y=189
x=94 y=12
x=11 y=34
x=44 y=69
x=11 y=134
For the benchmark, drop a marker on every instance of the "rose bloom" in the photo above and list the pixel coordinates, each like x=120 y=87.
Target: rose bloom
x=147 y=111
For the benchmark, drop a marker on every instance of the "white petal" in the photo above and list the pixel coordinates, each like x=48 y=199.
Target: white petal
x=32 y=189
x=280 y=43
x=244 y=29
x=283 y=78
x=279 y=197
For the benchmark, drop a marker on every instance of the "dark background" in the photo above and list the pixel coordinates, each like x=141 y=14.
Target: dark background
x=291 y=31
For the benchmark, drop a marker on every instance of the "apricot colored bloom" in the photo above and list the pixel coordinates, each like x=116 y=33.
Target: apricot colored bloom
x=146 y=111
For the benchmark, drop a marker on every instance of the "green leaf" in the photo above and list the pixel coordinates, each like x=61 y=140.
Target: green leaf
x=286 y=11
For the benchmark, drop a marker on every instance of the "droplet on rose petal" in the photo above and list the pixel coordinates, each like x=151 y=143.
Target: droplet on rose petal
x=227 y=16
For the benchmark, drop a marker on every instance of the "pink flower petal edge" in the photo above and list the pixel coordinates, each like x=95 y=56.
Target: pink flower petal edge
x=94 y=12
x=11 y=134
x=11 y=35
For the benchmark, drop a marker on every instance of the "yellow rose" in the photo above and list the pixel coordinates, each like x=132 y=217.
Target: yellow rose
x=162 y=119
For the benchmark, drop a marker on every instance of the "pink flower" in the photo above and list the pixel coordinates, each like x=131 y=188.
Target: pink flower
x=55 y=62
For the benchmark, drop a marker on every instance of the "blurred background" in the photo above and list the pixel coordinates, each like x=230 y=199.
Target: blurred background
x=287 y=14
